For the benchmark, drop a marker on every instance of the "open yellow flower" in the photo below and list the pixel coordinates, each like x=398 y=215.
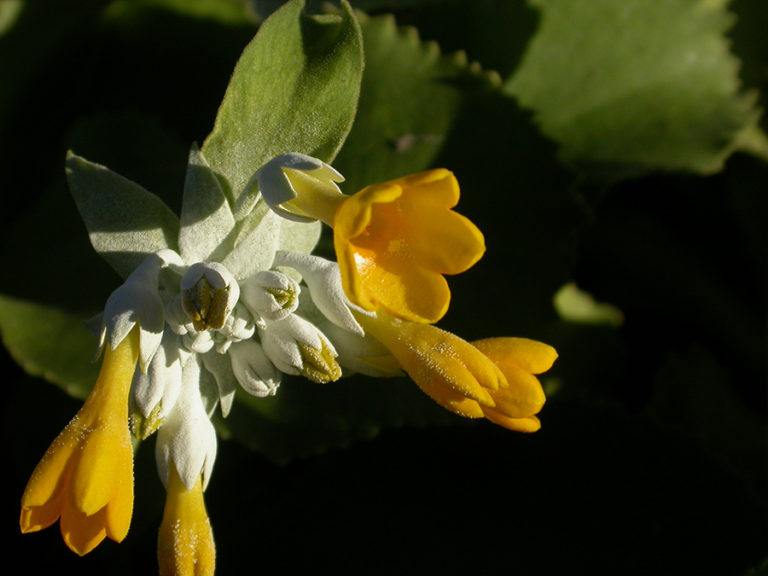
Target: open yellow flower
x=491 y=378
x=85 y=478
x=394 y=241
x=185 y=541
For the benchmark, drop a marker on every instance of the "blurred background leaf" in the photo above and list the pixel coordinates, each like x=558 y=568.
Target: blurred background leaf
x=626 y=87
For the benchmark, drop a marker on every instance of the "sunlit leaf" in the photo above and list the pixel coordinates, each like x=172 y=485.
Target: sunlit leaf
x=294 y=89
x=629 y=86
x=125 y=222
x=410 y=97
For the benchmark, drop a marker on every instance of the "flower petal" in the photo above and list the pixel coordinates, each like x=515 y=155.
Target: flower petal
x=444 y=241
x=404 y=290
x=529 y=424
x=529 y=355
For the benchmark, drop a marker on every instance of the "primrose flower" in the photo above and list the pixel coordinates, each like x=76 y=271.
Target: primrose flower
x=491 y=378
x=394 y=241
x=85 y=478
x=230 y=306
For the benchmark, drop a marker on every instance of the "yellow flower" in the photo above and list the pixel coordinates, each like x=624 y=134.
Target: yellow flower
x=185 y=542
x=491 y=378
x=86 y=476
x=394 y=242
x=519 y=359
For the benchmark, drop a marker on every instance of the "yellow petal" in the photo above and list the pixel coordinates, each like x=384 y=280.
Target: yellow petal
x=529 y=424
x=119 y=511
x=185 y=541
x=404 y=290
x=394 y=241
x=529 y=355
x=46 y=484
x=38 y=517
x=443 y=241
x=353 y=215
x=81 y=533
x=523 y=397
x=79 y=474
x=437 y=187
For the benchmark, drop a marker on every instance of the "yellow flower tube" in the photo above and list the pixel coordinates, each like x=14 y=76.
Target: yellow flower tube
x=492 y=379
x=85 y=478
x=185 y=544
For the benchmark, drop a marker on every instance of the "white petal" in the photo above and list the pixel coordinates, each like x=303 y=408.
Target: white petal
x=324 y=282
x=188 y=439
x=253 y=370
x=162 y=382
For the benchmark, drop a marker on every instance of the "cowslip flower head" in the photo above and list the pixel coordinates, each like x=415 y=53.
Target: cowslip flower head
x=85 y=479
x=239 y=306
x=394 y=241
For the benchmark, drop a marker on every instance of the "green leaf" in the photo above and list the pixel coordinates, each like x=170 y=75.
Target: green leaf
x=206 y=217
x=630 y=86
x=409 y=99
x=294 y=89
x=125 y=222
x=49 y=343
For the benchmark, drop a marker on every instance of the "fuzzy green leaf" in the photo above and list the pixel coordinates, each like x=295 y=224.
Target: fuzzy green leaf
x=206 y=217
x=630 y=86
x=294 y=89
x=410 y=97
x=125 y=222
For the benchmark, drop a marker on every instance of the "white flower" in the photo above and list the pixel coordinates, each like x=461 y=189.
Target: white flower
x=154 y=393
x=187 y=438
x=295 y=346
x=270 y=295
x=253 y=370
x=324 y=282
x=209 y=292
x=136 y=301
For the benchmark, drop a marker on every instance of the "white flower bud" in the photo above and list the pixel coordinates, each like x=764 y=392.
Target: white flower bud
x=154 y=393
x=296 y=346
x=187 y=439
x=270 y=295
x=324 y=282
x=136 y=301
x=209 y=292
x=253 y=370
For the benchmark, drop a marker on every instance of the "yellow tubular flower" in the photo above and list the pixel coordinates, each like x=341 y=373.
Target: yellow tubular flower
x=394 y=242
x=519 y=359
x=86 y=476
x=491 y=378
x=185 y=542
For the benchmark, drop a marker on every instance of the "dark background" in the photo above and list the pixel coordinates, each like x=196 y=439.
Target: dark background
x=652 y=455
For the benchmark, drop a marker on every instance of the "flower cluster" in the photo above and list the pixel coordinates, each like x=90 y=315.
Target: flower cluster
x=182 y=333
